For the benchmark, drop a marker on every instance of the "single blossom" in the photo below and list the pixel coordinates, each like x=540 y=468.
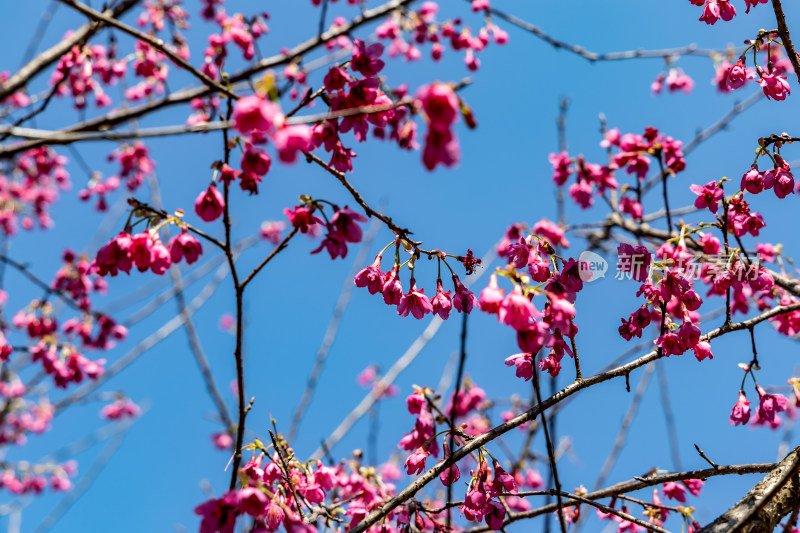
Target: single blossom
x=185 y=246
x=441 y=302
x=708 y=196
x=463 y=299
x=738 y=75
x=414 y=302
x=523 y=363
x=517 y=310
x=371 y=277
x=392 y=288
x=740 y=413
x=415 y=464
x=711 y=12
x=291 y=141
x=694 y=486
x=440 y=103
x=255 y=115
x=302 y=217
x=752 y=181
x=773 y=84
x=491 y=297
x=770 y=405
x=209 y=204
x=366 y=59
x=674 y=491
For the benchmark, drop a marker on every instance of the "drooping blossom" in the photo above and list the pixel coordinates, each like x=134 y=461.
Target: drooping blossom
x=738 y=75
x=185 y=246
x=414 y=302
x=491 y=297
x=371 y=277
x=463 y=298
x=773 y=84
x=209 y=204
x=415 y=463
x=523 y=363
x=440 y=103
x=441 y=302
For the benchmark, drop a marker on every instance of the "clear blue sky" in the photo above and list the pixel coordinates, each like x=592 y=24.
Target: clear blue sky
x=153 y=481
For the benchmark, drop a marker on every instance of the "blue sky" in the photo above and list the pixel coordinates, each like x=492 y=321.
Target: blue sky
x=154 y=479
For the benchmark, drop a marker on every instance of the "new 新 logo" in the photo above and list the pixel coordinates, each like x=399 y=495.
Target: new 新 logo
x=591 y=266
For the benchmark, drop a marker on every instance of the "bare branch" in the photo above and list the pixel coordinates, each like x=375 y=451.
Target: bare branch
x=766 y=504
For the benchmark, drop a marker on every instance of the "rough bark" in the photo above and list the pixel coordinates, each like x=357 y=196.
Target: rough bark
x=761 y=509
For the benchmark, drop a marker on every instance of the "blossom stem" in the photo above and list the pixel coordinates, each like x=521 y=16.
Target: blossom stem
x=550 y=454
x=664 y=176
x=578 y=375
x=459 y=376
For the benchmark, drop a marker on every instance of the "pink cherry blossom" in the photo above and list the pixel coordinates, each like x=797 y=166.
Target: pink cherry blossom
x=463 y=299
x=708 y=196
x=738 y=75
x=773 y=84
x=185 y=245
x=371 y=277
x=441 y=302
x=414 y=302
x=523 y=363
x=209 y=204
x=256 y=114
x=415 y=463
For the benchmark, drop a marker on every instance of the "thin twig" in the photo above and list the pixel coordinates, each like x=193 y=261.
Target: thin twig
x=704 y=456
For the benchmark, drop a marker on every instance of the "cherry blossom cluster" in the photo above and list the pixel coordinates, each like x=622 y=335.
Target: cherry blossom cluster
x=772 y=79
x=65 y=364
x=415 y=302
x=486 y=483
x=120 y=409
x=31 y=187
x=158 y=12
x=278 y=490
x=670 y=294
x=23 y=417
x=75 y=280
x=259 y=120
x=150 y=65
x=96 y=332
x=769 y=405
x=24 y=478
x=532 y=269
x=238 y=29
x=409 y=30
x=145 y=251
x=347 y=91
x=422 y=439
x=634 y=153
x=84 y=70
x=676 y=80
x=779 y=178
x=135 y=165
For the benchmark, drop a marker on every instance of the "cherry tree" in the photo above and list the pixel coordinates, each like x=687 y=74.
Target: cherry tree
x=142 y=77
